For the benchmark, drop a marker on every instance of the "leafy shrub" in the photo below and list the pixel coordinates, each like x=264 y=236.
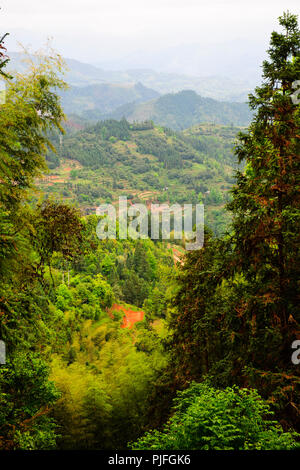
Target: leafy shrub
x=206 y=418
x=26 y=396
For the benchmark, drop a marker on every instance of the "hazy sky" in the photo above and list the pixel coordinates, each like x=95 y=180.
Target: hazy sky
x=105 y=30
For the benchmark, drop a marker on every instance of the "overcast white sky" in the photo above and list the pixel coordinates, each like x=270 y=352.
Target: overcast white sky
x=102 y=30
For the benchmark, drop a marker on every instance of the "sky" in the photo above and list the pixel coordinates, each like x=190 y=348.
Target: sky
x=164 y=34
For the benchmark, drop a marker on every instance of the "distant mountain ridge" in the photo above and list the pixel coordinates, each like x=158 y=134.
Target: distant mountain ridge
x=81 y=74
x=184 y=109
x=104 y=98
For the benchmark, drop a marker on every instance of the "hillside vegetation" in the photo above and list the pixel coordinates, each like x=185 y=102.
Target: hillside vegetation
x=184 y=109
x=93 y=100
x=208 y=355
x=146 y=163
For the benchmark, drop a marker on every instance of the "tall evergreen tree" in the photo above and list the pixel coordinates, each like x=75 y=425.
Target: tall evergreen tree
x=195 y=342
x=266 y=199
x=3 y=58
x=239 y=326
x=266 y=223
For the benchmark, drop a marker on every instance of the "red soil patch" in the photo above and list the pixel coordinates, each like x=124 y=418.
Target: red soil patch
x=131 y=145
x=130 y=316
x=177 y=255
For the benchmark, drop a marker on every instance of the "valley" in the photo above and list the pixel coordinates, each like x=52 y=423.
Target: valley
x=146 y=163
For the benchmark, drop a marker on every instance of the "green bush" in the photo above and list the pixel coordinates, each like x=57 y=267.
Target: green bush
x=206 y=418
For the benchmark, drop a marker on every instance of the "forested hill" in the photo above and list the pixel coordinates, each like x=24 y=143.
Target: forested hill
x=96 y=94
x=138 y=103
x=185 y=109
x=146 y=163
x=104 y=98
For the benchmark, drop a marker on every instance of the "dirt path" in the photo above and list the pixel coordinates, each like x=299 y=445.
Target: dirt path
x=177 y=255
x=130 y=316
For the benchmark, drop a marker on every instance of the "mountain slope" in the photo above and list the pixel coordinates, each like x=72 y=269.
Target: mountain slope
x=100 y=99
x=146 y=164
x=81 y=74
x=185 y=109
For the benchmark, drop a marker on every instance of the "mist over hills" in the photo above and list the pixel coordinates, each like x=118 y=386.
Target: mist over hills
x=237 y=59
x=171 y=100
x=104 y=98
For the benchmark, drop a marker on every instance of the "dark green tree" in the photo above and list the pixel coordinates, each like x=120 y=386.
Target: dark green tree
x=266 y=198
x=238 y=305
x=266 y=226
x=195 y=342
x=206 y=418
x=57 y=229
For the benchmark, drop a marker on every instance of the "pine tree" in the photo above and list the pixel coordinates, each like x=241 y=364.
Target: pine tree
x=266 y=228
x=266 y=203
x=266 y=199
x=195 y=343
x=238 y=326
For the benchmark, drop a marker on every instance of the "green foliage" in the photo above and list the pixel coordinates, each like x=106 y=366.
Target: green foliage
x=30 y=111
x=57 y=229
x=111 y=128
x=76 y=379
x=25 y=397
x=266 y=222
x=184 y=109
x=196 y=341
x=157 y=164
x=105 y=387
x=209 y=419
